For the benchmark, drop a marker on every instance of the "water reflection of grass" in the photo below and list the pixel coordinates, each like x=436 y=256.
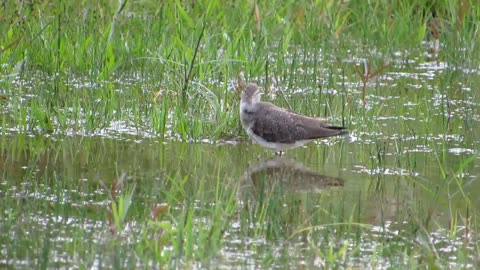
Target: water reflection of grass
x=169 y=70
x=181 y=205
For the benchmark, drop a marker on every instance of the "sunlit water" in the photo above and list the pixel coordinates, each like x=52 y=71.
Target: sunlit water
x=409 y=183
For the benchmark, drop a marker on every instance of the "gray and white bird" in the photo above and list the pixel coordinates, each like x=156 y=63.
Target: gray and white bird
x=277 y=128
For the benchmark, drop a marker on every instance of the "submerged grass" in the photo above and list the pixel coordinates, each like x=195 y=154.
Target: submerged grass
x=163 y=214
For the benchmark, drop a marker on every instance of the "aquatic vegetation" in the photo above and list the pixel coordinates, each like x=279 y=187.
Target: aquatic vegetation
x=122 y=146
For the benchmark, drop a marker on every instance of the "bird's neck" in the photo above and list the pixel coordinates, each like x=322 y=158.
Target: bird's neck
x=247 y=105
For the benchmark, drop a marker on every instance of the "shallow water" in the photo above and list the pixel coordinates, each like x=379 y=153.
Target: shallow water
x=288 y=211
x=404 y=181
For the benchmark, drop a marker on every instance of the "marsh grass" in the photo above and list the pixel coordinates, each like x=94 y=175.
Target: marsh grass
x=191 y=48
x=77 y=76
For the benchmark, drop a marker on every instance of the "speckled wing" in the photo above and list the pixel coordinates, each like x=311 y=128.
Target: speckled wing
x=275 y=124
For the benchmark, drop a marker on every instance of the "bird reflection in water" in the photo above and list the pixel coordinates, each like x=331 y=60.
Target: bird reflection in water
x=287 y=175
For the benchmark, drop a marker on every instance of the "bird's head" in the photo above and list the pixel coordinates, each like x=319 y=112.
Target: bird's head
x=251 y=94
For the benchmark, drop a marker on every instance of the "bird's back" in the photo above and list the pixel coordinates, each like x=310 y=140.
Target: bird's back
x=276 y=124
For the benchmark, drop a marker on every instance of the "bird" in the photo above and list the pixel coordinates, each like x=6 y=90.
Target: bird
x=278 y=128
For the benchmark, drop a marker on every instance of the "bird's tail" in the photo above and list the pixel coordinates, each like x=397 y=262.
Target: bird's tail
x=342 y=130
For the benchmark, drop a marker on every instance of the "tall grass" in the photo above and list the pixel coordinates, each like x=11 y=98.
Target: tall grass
x=184 y=48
